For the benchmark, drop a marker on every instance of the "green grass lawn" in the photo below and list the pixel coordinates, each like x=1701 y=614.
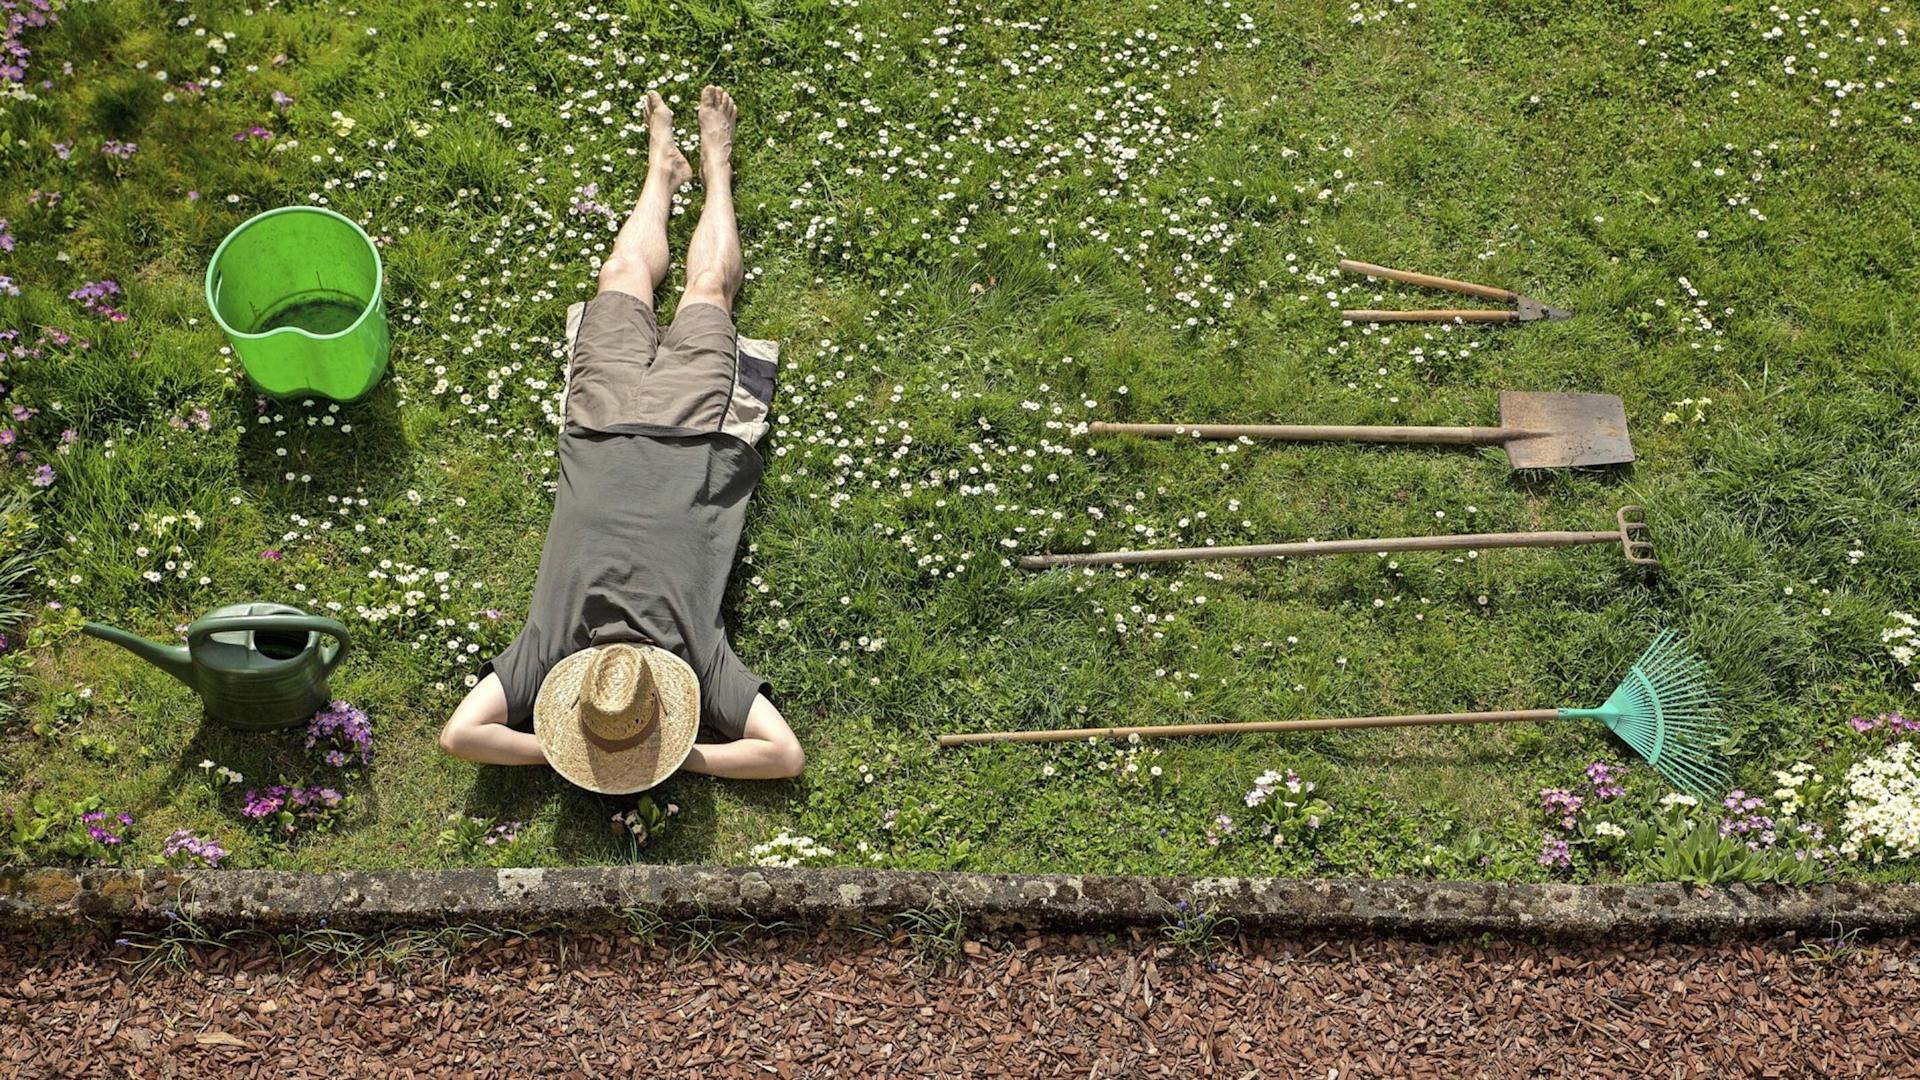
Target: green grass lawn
x=976 y=229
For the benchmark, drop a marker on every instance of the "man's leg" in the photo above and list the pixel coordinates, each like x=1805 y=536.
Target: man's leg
x=639 y=261
x=478 y=730
x=713 y=257
x=766 y=750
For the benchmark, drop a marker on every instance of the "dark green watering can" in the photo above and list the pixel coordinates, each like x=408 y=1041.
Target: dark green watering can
x=256 y=666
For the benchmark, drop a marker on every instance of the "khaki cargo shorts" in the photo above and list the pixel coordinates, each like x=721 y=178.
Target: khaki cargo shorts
x=700 y=375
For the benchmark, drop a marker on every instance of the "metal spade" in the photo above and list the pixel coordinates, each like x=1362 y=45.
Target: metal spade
x=1538 y=430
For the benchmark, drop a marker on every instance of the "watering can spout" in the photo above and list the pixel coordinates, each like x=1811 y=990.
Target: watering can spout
x=172 y=659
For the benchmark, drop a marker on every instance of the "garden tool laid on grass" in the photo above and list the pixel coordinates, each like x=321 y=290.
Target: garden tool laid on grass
x=1525 y=308
x=257 y=667
x=1664 y=710
x=1537 y=430
x=1633 y=535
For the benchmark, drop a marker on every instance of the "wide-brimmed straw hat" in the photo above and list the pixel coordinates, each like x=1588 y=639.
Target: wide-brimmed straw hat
x=617 y=718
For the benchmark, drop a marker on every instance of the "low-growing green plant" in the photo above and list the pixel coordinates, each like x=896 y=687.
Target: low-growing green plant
x=1704 y=855
x=1837 y=948
x=486 y=838
x=644 y=823
x=1197 y=930
x=61 y=713
x=54 y=830
x=936 y=933
x=176 y=945
x=97 y=748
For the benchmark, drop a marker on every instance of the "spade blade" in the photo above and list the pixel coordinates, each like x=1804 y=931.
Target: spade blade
x=1559 y=431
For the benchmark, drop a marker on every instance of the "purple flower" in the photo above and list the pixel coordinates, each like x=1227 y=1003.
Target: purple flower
x=43 y=476
x=282 y=100
x=257 y=805
x=114 y=148
x=199 y=418
x=6 y=238
x=98 y=297
x=8 y=436
x=342 y=732
x=254 y=132
x=184 y=842
x=63 y=151
x=106 y=830
x=1606 y=783
x=1558 y=802
x=272 y=555
x=7 y=287
x=1554 y=852
x=586 y=200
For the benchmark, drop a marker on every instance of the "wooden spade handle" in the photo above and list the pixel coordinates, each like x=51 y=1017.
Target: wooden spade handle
x=1512 y=716
x=1432 y=315
x=1469 y=541
x=1348 y=266
x=1451 y=436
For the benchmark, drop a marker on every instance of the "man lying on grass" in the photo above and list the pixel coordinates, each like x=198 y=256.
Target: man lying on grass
x=623 y=655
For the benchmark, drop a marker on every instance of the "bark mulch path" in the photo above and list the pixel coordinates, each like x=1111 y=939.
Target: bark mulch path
x=837 y=1004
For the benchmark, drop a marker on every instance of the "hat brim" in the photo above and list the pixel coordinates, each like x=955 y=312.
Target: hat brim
x=556 y=725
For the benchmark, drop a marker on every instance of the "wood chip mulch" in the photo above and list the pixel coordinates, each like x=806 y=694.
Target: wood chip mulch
x=838 y=1004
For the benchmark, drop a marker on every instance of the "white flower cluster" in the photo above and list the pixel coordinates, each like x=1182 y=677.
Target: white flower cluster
x=1791 y=780
x=787 y=851
x=1883 y=806
x=1902 y=640
x=1265 y=784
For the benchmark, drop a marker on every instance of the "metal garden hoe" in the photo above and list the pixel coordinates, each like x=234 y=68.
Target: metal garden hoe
x=1664 y=709
x=1633 y=535
x=1538 y=431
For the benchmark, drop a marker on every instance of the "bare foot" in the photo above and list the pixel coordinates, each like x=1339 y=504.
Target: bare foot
x=663 y=155
x=716 y=133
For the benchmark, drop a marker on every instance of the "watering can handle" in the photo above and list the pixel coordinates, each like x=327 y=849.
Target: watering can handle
x=200 y=631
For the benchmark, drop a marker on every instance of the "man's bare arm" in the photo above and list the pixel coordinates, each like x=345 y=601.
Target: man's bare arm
x=478 y=730
x=767 y=750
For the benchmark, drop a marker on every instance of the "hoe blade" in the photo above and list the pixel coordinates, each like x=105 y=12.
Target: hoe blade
x=1559 y=431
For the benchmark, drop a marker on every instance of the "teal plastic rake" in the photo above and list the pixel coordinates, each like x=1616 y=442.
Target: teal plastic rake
x=1665 y=709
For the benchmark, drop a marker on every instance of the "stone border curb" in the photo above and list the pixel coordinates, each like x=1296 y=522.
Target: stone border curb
x=528 y=898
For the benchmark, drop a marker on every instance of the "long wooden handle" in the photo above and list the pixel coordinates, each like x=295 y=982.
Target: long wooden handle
x=1250 y=727
x=1473 y=541
x=1452 y=436
x=1349 y=266
x=1432 y=315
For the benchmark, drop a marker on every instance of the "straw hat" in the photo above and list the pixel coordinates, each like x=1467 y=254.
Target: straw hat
x=617 y=718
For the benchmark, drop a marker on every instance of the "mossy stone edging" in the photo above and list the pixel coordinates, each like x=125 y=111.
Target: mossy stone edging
x=535 y=897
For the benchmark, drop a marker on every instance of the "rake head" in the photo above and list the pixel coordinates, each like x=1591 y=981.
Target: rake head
x=1666 y=711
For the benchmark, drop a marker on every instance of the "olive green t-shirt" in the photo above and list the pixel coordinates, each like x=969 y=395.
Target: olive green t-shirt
x=646 y=521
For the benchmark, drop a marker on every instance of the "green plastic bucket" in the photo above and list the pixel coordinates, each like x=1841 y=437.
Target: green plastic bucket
x=297 y=291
